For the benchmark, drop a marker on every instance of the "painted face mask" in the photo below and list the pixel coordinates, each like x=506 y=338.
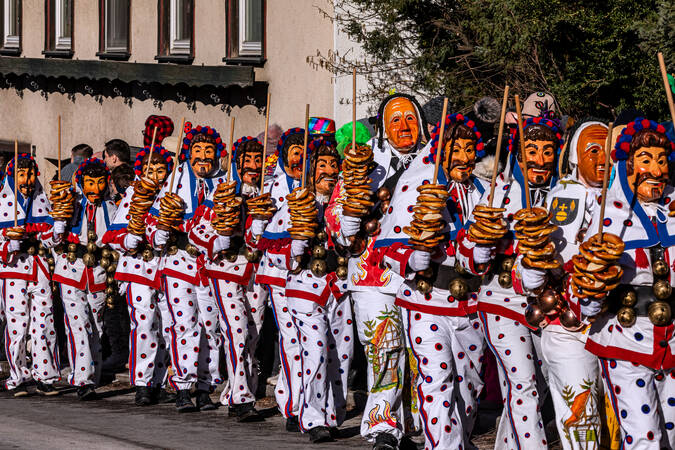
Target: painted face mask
x=540 y=157
x=591 y=154
x=203 y=158
x=25 y=179
x=401 y=124
x=326 y=174
x=462 y=158
x=158 y=171
x=250 y=165
x=94 y=188
x=649 y=173
x=294 y=167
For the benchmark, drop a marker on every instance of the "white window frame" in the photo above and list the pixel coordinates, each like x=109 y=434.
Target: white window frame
x=11 y=14
x=61 y=42
x=177 y=46
x=246 y=48
x=109 y=48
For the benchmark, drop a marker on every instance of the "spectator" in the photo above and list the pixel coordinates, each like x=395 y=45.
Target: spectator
x=116 y=153
x=122 y=177
x=77 y=155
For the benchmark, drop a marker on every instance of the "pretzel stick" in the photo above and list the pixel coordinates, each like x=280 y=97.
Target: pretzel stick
x=152 y=147
x=354 y=111
x=16 y=172
x=499 y=146
x=59 y=148
x=441 y=132
x=605 y=179
x=523 y=165
x=175 y=157
x=304 y=149
x=229 y=153
x=669 y=92
x=267 y=126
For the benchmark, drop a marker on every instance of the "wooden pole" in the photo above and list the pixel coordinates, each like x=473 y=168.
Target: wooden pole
x=152 y=147
x=441 y=132
x=304 y=148
x=523 y=165
x=16 y=183
x=498 y=155
x=59 y=148
x=666 y=85
x=230 y=151
x=605 y=179
x=267 y=126
x=177 y=155
x=354 y=111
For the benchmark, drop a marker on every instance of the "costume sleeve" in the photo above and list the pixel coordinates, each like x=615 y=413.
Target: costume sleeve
x=465 y=255
x=396 y=258
x=115 y=239
x=151 y=229
x=202 y=234
x=334 y=213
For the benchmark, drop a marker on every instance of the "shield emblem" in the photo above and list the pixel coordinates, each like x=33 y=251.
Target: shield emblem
x=564 y=210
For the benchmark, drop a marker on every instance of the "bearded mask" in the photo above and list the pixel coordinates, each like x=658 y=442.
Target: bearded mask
x=540 y=156
x=401 y=124
x=158 y=171
x=94 y=187
x=25 y=179
x=326 y=174
x=294 y=158
x=460 y=155
x=590 y=149
x=250 y=164
x=203 y=158
x=648 y=172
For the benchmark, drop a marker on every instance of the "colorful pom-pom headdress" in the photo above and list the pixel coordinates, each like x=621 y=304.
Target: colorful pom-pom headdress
x=159 y=150
x=622 y=147
x=450 y=120
x=548 y=123
x=9 y=170
x=191 y=133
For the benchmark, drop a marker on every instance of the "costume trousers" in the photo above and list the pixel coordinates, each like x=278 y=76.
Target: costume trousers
x=326 y=342
x=148 y=353
x=29 y=311
x=449 y=353
x=379 y=325
x=84 y=324
x=576 y=387
x=515 y=349
x=194 y=340
x=256 y=294
x=644 y=403
x=234 y=316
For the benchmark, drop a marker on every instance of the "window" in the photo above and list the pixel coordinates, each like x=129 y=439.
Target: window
x=245 y=30
x=114 y=38
x=176 y=30
x=59 y=33
x=11 y=27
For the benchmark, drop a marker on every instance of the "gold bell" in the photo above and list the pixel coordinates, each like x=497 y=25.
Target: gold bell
x=424 y=286
x=89 y=260
x=104 y=263
x=148 y=255
x=231 y=257
x=318 y=267
x=341 y=272
x=458 y=288
x=659 y=313
x=91 y=236
x=32 y=250
x=72 y=257
x=109 y=290
x=192 y=250
x=662 y=289
x=51 y=261
x=548 y=300
x=42 y=251
x=319 y=252
x=173 y=250
x=342 y=261
x=629 y=298
x=72 y=248
x=570 y=321
x=115 y=255
x=59 y=249
x=106 y=253
x=112 y=268
x=459 y=268
x=109 y=279
x=504 y=280
x=660 y=268
x=321 y=236
x=91 y=247
x=507 y=264
x=535 y=316
x=626 y=317
x=110 y=302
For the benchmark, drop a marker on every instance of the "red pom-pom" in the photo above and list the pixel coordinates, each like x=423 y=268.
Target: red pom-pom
x=646 y=123
x=470 y=124
x=660 y=128
x=625 y=146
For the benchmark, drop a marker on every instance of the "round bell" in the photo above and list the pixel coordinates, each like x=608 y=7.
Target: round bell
x=104 y=263
x=660 y=268
x=342 y=261
x=319 y=252
x=384 y=206
x=659 y=313
x=318 y=267
x=341 y=272
x=458 y=289
x=548 y=301
x=172 y=250
x=231 y=256
x=505 y=280
x=358 y=246
x=424 y=286
x=629 y=298
x=72 y=257
x=109 y=290
x=72 y=248
x=115 y=255
x=148 y=255
x=372 y=226
x=51 y=261
x=257 y=255
x=507 y=264
x=192 y=250
x=51 y=268
x=109 y=279
x=106 y=253
x=570 y=321
x=91 y=247
x=112 y=268
x=535 y=317
x=662 y=289
x=89 y=260
x=383 y=194
x=321 y=236
x=459 y=268
x=91 y=236
x=59 y=249
x=110 y=301
x=42 y=251
x=32 y=250
x=626 y=317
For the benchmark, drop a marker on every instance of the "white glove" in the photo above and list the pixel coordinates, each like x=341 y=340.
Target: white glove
x=532 y=278
x=589 y=307
x=419 y=260
x=131 y=241
x=161 y=237
x=221 y=243
x=258 y=227
x=482 y=254
x=298 y=247
x=14 y=246
x=349 y=226
x=59 y=227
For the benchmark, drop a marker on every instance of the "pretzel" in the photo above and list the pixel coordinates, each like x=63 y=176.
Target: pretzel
x=533 y=230
x=356 y=166
x=261 y=207
x=170 y=211
x=303 y=212
x=427 y=224
x=489 y=225
x=15 y=233
x=62 y=200
x=142 y=200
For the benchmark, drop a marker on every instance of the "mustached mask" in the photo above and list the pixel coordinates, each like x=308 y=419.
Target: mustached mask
x=26 y=174
x=543 y=142
x=93 y=177
x=248 y=159
x=324 y=167
x=203 y=146
x=462 y=147
x=290 y=148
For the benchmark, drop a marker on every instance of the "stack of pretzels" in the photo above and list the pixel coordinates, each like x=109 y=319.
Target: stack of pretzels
x=489 y=225
x=15 y=233
x=355 y=169
x=145 y=191
x=170 y=212
x=533 y=230
x=596 y=271
x=62 y=200
x=303 y=212
x=227 y=209
x=261 y=207
x=427 y=224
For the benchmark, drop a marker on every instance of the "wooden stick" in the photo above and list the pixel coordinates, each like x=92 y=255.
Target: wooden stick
x=441 y=132
x=605 y=179
x=354 y=111
x=176 y=156
x=152 y=147
x=59 y=148
x=304 y=149
x=231 y=150
x=666 y=85
x=498 y=155
x=523 y=165
x=267 y=126
x=16 y=184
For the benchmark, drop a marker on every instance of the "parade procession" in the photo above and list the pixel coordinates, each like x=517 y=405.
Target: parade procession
x=446 y=264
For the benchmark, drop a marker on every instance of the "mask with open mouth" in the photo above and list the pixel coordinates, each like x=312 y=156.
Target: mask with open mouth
x=325 y=167
x=26 y=177
x=93 y=177
x=590 y=148
x=401 y=124
x=248 y=158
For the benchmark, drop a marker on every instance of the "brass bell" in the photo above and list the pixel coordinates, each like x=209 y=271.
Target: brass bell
x=662 y=289
x=109 y=279
x=106 y=253
x=42 y=251
x=535 y=317
x=321 y=236
x=51 y=268
x=91 y=236
x=91 y=247
x=32 y=250
x=109 y=290
x=459 y=268
x=318 y=267
x=115 y=255
x=629 y=298
x=659 y=313
x=148 y=255
x=548 y=301
x=72 y=257
x=231 y=256
x=59 y=249
x=112 y=268
x=660 y=268
x=51 y=261
x=341 y=272
x=372 y=226
x=104 y=263
x=504 y=280
x=383 y=194
x=358 y=246
x=342 y=261
x=570 y=321
x=384 y=206
x=89 y=260
x=319 y=252
x=626 y=317
x=458 y=289
x=173 y=250
x=110 y=301
x=192 y=250
x=72 y=248
x=507 y=264
x=424 y=286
